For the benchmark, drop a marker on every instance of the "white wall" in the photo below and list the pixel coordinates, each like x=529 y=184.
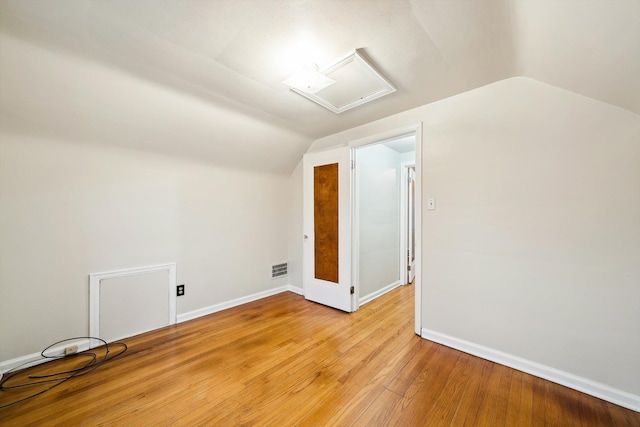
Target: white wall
x=378 y=214
x=534 y=247
x=67 y=210
x=80 y=191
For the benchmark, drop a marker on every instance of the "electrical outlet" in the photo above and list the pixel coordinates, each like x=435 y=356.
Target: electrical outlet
x=72 y=349
x=180 y=290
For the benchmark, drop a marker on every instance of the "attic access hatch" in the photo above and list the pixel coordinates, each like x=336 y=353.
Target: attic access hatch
x=347 y=84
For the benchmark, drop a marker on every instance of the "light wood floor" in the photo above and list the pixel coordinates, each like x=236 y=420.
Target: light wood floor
x=284 y=361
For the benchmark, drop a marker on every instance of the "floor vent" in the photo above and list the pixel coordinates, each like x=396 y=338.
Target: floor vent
x=278 y=270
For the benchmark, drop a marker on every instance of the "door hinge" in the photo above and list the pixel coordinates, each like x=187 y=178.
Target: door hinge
x=353 y=164
x=409 y=268
x=352 y=290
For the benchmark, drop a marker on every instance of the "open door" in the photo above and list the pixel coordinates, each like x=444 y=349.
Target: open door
x=411 y=225
x=327 y=228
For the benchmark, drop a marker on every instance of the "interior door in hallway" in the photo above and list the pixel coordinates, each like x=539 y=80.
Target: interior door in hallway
x=327 y=228
x=411 y=226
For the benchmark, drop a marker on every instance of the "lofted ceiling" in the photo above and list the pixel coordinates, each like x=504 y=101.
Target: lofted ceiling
x=235 y=54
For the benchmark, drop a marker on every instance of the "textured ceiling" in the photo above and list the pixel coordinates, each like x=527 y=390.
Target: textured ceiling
x=235 y=54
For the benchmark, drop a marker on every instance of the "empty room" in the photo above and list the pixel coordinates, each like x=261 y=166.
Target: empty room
x=320 y=212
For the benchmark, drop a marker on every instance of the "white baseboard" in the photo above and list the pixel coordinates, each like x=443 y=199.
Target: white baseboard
x=236 y=302
x=593 y=388
x=373 y=295
x=295 y=290
x=34 y=359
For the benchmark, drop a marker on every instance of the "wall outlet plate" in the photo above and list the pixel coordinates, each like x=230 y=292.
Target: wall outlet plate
x=180 y=290
x=72 y=349
x=431 y=203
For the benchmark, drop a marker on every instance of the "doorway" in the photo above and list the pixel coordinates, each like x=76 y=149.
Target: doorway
x=381 y=224
x=345 y=293
x=408 y=216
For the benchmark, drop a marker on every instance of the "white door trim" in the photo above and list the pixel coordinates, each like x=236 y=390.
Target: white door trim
x=418 y=207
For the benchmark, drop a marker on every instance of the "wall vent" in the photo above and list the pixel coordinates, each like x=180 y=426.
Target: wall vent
x=278 y=270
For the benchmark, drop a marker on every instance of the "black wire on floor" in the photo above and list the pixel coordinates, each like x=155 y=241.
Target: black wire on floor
x=58 y=378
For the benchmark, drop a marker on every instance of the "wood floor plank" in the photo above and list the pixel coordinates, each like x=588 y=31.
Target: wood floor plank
x=428 y=390
x=620 y=418
x=284 y=361
x=473 y=398
x=499 y=411
x=363 y=381
x=539 y=397
x=520 y=401
x=449 y=398
x=381 y=411
x=493 y=394
x=414 y=371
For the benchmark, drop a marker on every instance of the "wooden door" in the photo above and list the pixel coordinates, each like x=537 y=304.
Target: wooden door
x=327 y=228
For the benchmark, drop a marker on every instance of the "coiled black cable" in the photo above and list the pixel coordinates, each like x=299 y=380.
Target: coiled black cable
x=58 y=378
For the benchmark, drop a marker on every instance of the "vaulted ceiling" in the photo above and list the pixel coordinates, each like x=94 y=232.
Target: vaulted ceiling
x=233 y=55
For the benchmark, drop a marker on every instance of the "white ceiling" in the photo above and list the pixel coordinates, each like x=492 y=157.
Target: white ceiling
x=404 y=144
x=235 y=54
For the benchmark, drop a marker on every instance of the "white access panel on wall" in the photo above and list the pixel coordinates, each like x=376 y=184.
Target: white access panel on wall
x=129 y=302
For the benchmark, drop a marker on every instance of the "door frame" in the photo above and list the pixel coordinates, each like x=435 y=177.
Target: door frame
x=416 y=130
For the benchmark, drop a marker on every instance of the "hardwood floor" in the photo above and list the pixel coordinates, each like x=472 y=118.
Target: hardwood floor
x=284 y=361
